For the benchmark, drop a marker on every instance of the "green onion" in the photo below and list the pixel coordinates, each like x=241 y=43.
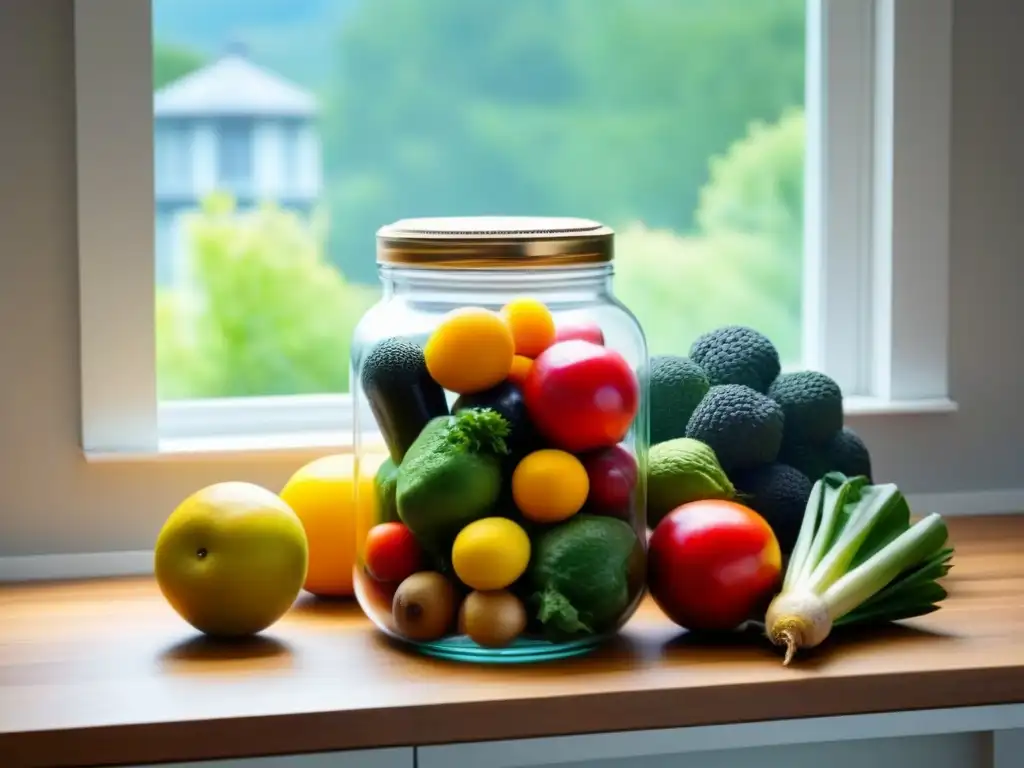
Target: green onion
x=857 y=560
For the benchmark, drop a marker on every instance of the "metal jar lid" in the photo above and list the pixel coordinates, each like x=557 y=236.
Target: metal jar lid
x=494 y=242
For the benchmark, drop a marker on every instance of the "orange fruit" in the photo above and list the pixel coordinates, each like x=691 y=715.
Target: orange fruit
x=550 y=485
x=520 y=367
x=323 y=495
x=470 y=350
x=532 y=326
x=231 y=559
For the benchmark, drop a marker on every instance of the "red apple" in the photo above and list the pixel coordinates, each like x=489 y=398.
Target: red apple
x=581 y=396
x=612 y=475
x=711 y=564
x=584 y=330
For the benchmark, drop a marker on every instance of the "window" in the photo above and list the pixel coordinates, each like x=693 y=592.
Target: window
x=234 y=156
x=776 y=163
x=173 y=159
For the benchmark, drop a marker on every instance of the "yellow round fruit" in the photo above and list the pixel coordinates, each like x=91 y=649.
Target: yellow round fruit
x=550 y=485
x=323 y=495
x=231 y=559
x=533 y=327
x=470 y=350
x=520 y=370
x=490 y=553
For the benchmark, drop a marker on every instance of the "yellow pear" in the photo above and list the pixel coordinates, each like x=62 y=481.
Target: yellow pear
x=231 y=559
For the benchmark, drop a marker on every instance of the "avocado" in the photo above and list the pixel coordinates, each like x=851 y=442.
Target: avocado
x=735 y=354
x=680 y=471
x=742 y=426
x=401 y=394
x=813 y=406
x=779 y=493
x=811 y=460
x=848 y=454
x=677 y=385
x=844 y=453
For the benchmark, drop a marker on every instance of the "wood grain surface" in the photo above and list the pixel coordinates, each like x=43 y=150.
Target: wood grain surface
x=104 y=673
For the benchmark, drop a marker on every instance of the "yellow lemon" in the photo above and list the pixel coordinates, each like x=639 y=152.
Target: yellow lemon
x=550 y=485
x=231 y=559
x=470 y=350
x=490 y=553
x=335 y=515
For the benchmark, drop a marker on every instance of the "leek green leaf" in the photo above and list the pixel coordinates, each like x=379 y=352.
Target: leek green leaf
x=910 y=587
x=892 y=521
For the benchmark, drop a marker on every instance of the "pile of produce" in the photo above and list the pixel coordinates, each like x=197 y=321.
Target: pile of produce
x=751 y=475
x=715 y=565
x=727 y=424
x=511 y=512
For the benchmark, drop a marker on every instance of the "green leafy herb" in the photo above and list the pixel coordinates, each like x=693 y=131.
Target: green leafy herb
x=479 y=430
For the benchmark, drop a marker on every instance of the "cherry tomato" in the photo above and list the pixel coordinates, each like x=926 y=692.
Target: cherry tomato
x=392 y=552
x=612 y=475
x=579 y=329
x=711 y=564
x=581 y=396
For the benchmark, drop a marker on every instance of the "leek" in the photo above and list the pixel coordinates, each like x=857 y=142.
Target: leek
x=857 y=560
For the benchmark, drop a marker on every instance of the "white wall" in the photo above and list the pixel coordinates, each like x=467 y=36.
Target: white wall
x=48 y=493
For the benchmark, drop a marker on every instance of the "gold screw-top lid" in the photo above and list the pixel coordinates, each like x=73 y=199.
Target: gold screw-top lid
x=494 y=242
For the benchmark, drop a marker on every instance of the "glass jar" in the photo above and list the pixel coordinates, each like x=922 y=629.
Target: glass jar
x=501 y=425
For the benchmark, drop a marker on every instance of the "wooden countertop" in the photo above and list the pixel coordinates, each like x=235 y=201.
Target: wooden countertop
x=103 y=672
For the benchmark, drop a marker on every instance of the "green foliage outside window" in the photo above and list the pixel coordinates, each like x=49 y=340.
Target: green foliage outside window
x=171 y=62
x=677 y=122
x=268 y=314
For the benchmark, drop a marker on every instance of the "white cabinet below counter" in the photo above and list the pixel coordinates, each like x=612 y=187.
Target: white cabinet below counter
x=975 y=737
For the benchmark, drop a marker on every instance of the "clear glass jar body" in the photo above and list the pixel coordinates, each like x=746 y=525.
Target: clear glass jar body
x=598 y=567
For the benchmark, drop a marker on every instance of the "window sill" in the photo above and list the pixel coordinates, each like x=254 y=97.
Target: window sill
x=876 y=406
x=311 y=444
x=268 y=447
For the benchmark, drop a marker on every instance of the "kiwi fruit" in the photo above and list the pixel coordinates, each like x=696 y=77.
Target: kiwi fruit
x=424 y=606
x=492 y=619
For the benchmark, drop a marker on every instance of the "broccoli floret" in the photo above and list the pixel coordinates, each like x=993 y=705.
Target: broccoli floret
x=677 y=385
x=813 y=405
x=737 y=355
x=743 y=427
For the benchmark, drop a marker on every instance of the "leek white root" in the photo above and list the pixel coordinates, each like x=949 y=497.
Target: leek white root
x=797 y=620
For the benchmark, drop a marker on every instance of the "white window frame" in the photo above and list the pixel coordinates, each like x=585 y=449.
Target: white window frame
x=877 y=201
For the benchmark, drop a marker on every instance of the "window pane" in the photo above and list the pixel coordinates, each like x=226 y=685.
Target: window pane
x=303 y=125
x=234 y=156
